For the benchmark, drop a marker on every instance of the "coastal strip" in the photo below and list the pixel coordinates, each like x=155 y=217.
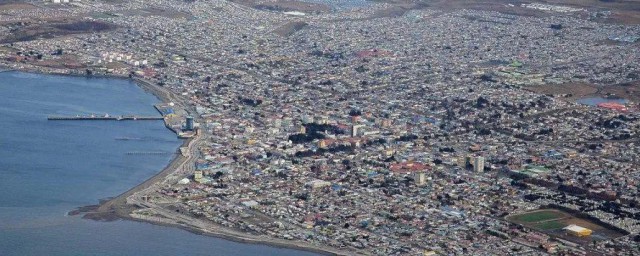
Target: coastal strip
x=117 y=208
x=244 y=239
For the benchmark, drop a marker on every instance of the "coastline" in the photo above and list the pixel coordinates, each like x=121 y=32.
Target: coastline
x=241 y=239
x=223 y=232
x=117 y=208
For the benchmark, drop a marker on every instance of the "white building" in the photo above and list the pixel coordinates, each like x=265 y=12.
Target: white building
x=478 y=164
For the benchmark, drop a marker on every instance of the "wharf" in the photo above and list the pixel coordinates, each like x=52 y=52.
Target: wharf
x=150 y=153
x=100 y=118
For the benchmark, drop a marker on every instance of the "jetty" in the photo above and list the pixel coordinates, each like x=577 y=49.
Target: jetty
x=150 y=153
x=104 y=118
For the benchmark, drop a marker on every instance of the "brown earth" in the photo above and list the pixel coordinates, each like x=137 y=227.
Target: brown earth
x=29 y=32
x=284 y=5
x=153 y=11
x=623 y=11
x=629 y=91
x=16 y=6
x=575 y=90
x=290 y=28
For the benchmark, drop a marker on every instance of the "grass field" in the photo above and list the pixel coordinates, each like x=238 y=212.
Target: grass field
x=537 y=216
x=549 y=225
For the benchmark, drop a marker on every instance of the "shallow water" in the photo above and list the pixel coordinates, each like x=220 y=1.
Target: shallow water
x=593 y=101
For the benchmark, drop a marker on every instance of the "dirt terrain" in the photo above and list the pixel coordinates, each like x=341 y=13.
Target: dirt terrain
x=621 y=11
x=284 y=5
x=16 y=6
x=290 y=28
x=574 y=91
x=32 y=31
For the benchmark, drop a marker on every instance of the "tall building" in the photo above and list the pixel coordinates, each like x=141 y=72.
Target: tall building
x=355 y=129
x=420 y=178
x=197 y=176
x=189 y=124
x=478 y=164
x=464 y=162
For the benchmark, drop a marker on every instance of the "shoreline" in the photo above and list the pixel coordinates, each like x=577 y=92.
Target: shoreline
x=237 y=239
x=117 y=208
x=143 y=84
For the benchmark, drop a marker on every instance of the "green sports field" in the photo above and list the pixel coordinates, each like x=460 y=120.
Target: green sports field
x=552 y=221
x=549 y=225
x=537 y=216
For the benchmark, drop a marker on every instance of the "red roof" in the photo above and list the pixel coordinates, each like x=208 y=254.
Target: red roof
x=613 y=105
x=408 y=167
x=149 y=72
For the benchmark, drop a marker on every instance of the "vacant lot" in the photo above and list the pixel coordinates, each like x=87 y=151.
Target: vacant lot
x=16 y=6
x=290 y=28
x=575 y=91
x=55 y=29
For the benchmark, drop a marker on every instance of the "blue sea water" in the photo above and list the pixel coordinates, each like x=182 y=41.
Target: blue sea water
x=48 y=168
x=593 y=101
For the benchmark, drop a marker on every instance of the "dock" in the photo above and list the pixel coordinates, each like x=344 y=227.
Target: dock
x=104 y=118
x=150 y=153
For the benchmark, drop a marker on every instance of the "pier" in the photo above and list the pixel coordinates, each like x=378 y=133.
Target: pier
x=150 y=153
x=105 y=117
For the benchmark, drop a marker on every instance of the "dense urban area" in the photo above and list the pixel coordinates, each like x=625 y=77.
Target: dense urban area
x=372 y=127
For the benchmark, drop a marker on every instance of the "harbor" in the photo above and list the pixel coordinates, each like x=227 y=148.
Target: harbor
x=175 y=119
